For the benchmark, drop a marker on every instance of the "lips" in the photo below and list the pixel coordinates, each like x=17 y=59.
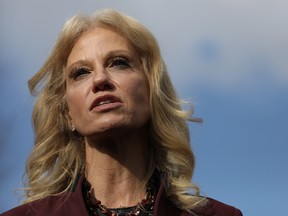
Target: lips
x=104 y=100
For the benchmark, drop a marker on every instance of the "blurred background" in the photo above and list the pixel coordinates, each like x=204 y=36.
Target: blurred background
x=229 y=57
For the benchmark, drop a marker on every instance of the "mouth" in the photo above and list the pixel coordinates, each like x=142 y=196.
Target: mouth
x=104 y=100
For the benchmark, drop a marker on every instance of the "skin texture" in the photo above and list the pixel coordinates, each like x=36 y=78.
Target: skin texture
x=108 y=99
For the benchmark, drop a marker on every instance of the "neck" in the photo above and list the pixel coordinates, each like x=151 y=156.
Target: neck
x=116 y=168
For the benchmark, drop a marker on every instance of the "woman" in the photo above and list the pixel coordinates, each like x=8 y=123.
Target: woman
x=111 y=137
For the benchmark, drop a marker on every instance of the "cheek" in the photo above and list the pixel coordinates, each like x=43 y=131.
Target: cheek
x=74 y=103
x=140 y=95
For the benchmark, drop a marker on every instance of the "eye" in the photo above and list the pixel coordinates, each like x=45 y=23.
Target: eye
x=79 y=73
x=119 y=62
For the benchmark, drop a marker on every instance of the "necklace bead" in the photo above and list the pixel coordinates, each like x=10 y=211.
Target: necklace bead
x=143 y=208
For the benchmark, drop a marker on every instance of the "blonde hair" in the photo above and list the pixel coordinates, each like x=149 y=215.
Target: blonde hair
x=59 y=156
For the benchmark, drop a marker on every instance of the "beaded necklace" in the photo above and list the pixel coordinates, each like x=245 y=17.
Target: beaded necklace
x=143 y=208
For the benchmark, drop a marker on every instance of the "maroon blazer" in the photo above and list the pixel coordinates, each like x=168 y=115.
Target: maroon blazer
x=72 y=204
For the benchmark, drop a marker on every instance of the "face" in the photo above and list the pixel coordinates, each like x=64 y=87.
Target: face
x=106 y=89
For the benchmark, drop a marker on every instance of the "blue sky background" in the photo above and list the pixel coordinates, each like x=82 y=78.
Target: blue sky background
x=229 y=57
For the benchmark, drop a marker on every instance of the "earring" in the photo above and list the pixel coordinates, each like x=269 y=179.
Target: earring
x=73 y=127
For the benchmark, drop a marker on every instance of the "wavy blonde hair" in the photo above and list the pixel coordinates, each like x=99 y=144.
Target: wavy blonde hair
x=59 y=154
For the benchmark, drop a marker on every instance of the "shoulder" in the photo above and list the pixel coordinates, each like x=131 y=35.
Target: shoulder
x=47 y=206
x=69 y=203
x=20 y=210
x=217 y=208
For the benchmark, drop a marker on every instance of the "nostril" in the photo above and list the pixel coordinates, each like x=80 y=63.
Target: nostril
x=108 y=86
x=103 y=86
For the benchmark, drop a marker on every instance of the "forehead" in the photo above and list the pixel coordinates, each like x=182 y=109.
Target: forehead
x=99 y=40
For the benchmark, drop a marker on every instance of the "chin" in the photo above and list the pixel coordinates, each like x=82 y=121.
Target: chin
x=108 y=129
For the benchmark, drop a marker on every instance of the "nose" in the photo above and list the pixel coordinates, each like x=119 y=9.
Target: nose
x=102 y=82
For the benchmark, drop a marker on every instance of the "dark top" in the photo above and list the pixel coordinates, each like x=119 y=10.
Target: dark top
x=72 y=204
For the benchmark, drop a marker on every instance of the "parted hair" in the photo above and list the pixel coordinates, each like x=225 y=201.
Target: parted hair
x=58 y=156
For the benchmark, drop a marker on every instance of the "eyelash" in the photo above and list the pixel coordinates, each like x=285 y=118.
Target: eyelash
x=116 y=62
x=76 y=73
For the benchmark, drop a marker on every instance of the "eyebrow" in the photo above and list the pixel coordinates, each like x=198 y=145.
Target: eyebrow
x=107 y=55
